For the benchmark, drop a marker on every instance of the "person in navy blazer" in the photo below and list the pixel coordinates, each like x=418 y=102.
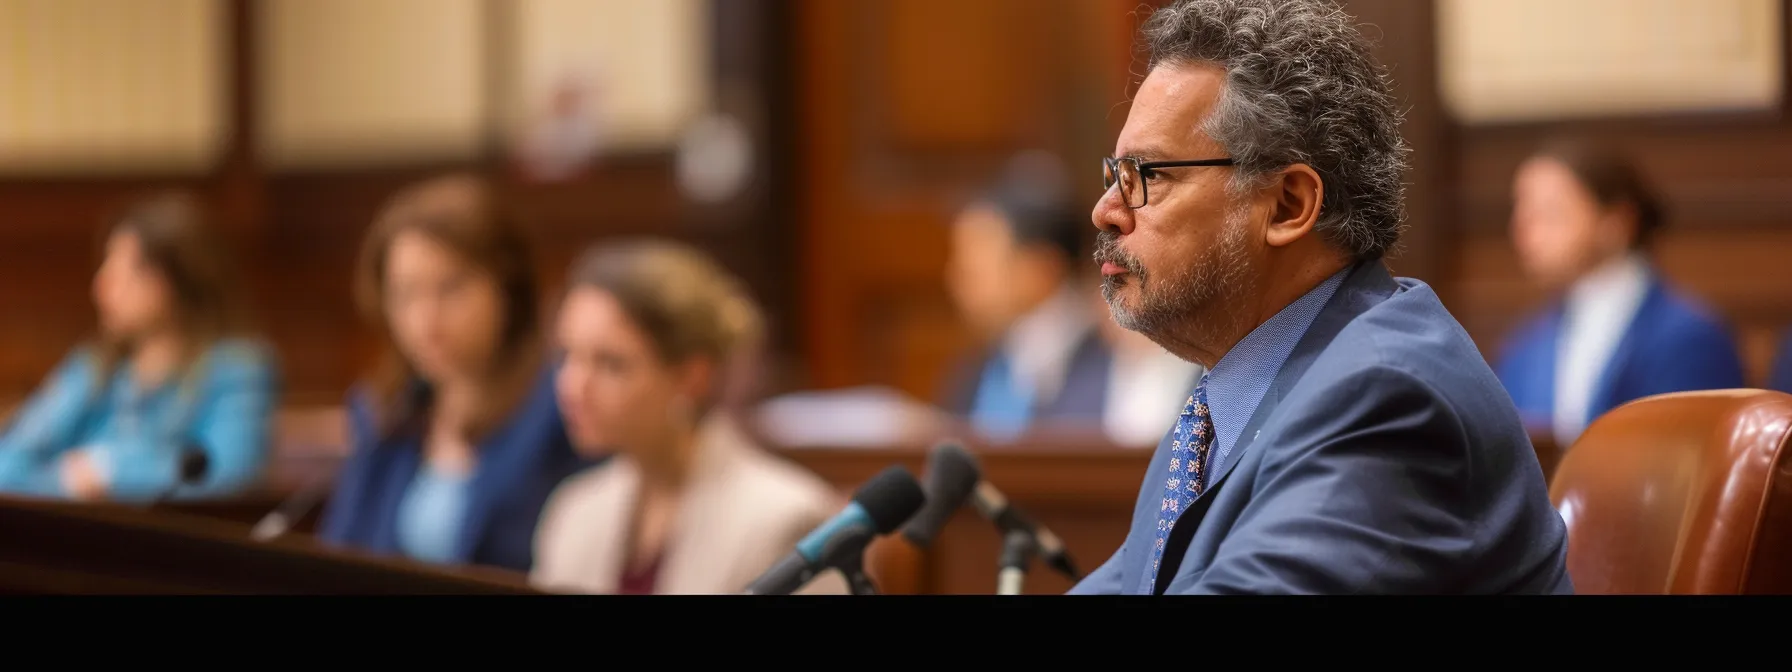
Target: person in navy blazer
x=457 y=439
x=1582 y=221
x=1011 y=273
x=1348 y=436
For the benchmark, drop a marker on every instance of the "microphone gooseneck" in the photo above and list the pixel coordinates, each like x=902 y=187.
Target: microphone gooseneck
x=294 y=509
x=952 y=475
x=193 y=467
x=994 y=506
x=1017 y=553
x=880 y=506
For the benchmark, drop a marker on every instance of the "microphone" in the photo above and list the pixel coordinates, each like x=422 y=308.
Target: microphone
x=282 y=519
x=994 y=506
x=879 y=507
x=951 y=477
x=193 y=467
x=1017 y=552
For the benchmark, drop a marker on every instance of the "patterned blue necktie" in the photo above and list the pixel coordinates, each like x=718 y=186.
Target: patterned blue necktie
x=1188 y=465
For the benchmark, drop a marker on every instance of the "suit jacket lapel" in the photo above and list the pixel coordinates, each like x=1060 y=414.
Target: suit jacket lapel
x=710 y=518
x=604 y=528
x=401 y=471
x=502 y=455
x=1366 y=286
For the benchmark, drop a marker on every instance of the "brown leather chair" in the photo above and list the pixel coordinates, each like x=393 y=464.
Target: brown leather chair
x=1685 y=493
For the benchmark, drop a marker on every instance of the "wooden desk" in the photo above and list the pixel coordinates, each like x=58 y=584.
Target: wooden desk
x=58 y=548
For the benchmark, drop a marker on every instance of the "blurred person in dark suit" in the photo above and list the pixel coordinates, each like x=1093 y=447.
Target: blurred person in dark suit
x=688 y=505
x=1011 y=273
x=1348 y=437
x=1583 y=220
x=456 y=438
x=173 y=369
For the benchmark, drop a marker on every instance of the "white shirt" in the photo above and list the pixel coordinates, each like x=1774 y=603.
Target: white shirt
x=1146 y=392
x=1039 y=345
x=1597 y=311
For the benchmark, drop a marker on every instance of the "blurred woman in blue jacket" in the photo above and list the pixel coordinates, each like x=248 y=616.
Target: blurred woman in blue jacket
x=169 y=373
x=1583 y=221
x=456 y=438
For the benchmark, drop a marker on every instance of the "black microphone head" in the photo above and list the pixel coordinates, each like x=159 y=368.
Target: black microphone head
x=890 y=498
x=952 y=474
x=194 y=464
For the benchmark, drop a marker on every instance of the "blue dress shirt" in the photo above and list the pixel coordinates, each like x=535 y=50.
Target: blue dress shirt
x=429 y=519
x=1237 y=383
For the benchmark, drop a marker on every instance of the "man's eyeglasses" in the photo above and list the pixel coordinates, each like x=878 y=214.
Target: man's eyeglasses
x=1131 y=175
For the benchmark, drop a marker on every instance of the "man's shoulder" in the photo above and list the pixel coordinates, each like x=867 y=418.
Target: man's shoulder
x=1407 y=343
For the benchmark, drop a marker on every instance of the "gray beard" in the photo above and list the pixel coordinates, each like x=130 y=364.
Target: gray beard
x=1175 y=305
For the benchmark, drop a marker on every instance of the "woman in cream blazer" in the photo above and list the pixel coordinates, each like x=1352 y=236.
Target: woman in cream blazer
x=686 y=504
x=742 y=511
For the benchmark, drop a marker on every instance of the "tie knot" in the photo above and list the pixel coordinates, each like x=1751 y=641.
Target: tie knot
x=1197 y=403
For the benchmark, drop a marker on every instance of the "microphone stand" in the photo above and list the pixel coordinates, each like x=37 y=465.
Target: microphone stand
x=1018 y=550
x=290 y=512
x=856 y=578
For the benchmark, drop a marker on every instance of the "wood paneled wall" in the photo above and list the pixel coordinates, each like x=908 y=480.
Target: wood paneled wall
x=898 y=121
x=875 y=118
x=906 y=106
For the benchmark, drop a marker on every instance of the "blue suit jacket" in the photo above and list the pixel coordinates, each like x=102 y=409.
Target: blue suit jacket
x=1672 y=345
x=520 y=463
x=1780 y=378
x=1081 y=398
x=1385 y=458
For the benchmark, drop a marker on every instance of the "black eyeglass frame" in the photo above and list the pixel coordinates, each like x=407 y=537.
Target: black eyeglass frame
x=1143 y=169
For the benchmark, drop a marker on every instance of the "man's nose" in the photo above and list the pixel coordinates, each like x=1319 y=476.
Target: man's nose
x=1111 y=214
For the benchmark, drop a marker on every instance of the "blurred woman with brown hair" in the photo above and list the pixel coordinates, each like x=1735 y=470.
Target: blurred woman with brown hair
x=688 y=504
x=456 y=438
x=170 y=375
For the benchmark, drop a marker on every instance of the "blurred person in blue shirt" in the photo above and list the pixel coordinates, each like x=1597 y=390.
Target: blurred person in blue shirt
x=170 y=371
x=1583 y=220
x=456 y=439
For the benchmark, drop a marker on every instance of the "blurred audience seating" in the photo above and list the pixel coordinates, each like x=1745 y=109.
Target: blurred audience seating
x=1685 y=493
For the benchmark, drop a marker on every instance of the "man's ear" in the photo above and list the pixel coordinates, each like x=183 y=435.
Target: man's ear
x=1296 y=192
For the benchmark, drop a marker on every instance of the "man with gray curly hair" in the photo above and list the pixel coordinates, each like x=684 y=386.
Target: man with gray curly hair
x=1349 y=437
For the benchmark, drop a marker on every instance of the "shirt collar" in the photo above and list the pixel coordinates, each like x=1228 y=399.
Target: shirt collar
x=1039 y=344
x=1624 y=279
x=1237 y=383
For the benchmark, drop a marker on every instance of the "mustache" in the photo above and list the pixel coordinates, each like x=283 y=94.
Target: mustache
x=1107 y=251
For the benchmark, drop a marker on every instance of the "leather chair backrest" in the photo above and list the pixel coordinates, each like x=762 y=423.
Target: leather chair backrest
x=1684 y=493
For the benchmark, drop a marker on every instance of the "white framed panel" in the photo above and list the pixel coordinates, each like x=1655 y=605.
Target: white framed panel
x=642 y=67
x=348 y=83
x=1538 y=60
x=112 y=86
